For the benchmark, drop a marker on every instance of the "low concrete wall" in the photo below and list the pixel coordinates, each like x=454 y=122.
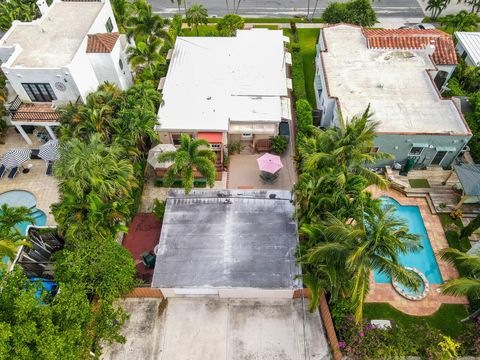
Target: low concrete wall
x=329 y=328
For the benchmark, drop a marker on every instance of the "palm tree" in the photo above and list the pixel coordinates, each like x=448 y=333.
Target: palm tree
x=361 y=247
x=179 y=3
x=188 y=158
x=122 y=10
x=196 y=15
x=146 y=26
x=348 y=148
x=436 y=7
x=175 y=28
x=136 y=126
x=463 y=21
x=468 y=284
x=10 y=236
x=146 y=55
x=475 y=4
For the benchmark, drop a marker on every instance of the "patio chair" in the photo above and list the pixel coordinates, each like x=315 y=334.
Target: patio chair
x=269 y=178
x=49 y=171
x=13 y=172
x=2 y=170
x=34 y=154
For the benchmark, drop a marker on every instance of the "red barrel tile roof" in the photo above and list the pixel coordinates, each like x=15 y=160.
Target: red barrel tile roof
x=444 y=53
x=102 y=42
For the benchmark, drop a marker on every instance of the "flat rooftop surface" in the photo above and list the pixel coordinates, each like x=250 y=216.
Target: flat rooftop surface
x=228 y=238
x=401 y=95
x=220 y=329
x=55 y=40
x=212 y=80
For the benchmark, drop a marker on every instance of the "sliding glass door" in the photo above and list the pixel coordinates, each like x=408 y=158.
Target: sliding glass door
x=39 y=92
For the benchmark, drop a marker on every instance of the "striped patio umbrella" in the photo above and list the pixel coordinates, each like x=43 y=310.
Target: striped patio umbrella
x=15 y=157
x=49 y=151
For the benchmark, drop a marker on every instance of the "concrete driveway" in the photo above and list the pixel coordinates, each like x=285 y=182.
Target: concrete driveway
x=217 y=329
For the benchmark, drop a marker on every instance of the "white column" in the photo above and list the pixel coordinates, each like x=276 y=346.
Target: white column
x=24 y=134
x=50 y=132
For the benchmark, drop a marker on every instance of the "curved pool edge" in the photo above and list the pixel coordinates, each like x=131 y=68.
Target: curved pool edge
x=397 y=286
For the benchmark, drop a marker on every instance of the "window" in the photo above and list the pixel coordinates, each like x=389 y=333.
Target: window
x=176 y=139
x=247 y=136
x=109 y=25
x=39 y=92
x=120 y=63
x=464 y=55
x=416 y=151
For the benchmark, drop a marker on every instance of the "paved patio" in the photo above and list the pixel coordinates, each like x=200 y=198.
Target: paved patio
x=386 y=293
x=45 y=188
x=227 y=329
x=243 y=173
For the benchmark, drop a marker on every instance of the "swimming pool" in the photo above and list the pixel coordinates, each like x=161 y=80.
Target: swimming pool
x=422 y=260
x=17 y=198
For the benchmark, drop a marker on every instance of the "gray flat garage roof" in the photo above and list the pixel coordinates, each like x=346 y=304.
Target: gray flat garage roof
x=227 y=238
x=220 y=329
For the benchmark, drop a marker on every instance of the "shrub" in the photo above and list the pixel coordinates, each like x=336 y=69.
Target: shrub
x=229 y=24
x=304 y=116
x=473 y=120
x=358 y=12
x=235 y=147
x=159 y=208
x=177 y=183
x=279 y=144
x=298 y=76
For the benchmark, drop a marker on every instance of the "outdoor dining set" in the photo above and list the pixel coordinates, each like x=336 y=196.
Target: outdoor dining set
x=13 y=160
x=269 y=166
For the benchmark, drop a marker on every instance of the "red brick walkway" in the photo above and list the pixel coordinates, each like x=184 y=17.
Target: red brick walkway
x=143 y=235
x=385 y=292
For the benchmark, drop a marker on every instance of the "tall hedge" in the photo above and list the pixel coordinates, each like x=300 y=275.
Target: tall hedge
x=298 y=76
x=304 y=116
x=358 y=12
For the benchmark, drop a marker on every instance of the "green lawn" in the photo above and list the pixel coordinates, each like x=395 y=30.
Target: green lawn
x=419 y=183
x=203 y=30
x=271 y=20
x=446 y=319
x=271 y=27
x=307 y=39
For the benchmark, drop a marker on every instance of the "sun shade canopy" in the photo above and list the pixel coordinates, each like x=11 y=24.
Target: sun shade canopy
x=469 y=176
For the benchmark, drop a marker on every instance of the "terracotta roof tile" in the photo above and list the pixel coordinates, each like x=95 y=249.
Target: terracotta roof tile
x=36 y=113
x=444 y=53
x=102 y=42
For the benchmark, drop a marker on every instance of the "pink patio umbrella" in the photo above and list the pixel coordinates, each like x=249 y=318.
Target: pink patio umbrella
x=269 y=163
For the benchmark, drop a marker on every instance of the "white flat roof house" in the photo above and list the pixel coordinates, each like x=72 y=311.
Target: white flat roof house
x=398 y=84
x=468 y=47
x=226 y=85
x=62 y=57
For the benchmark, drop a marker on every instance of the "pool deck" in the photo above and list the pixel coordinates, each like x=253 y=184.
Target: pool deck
x=385 y=293
x=45 y=188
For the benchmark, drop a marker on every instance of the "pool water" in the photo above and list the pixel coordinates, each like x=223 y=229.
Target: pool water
x=424 y=259
x=17 y=198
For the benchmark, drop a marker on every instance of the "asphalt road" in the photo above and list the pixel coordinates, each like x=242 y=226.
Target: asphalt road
x=290 y=8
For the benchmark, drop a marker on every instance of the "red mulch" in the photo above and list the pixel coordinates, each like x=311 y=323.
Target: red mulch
x=143 y=235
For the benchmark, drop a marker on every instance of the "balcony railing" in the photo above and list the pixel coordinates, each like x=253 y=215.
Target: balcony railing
x=20 y=111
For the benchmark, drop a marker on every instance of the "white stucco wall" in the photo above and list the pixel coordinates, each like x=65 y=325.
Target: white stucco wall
x=98 y=25
x=18 y=76
x=82 y=72
x=107 y=67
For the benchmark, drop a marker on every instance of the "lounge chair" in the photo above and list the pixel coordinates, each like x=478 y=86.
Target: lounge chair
x=2 y=170
x=13 y=172
x=34 y=154
x=49 y=171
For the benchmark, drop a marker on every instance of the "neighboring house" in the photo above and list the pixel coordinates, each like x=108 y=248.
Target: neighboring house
x=443 y=56
x=225 y=89
x=230 y=244
x=468 y=47
x=414 y=121
x=61 y=57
